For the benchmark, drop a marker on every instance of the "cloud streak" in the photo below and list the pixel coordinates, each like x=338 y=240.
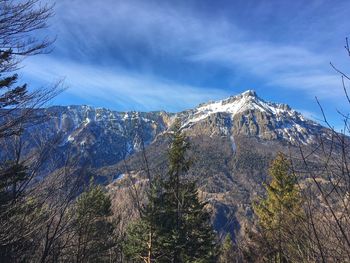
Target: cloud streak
x=283 y=66
x=139 y=50
x=121 y=89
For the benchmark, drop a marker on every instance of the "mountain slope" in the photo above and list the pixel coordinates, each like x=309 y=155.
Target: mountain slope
x=233 y=141
x=105 y=137
x=247 y=114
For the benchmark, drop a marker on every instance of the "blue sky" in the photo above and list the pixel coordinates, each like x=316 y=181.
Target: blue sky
x=173 y=55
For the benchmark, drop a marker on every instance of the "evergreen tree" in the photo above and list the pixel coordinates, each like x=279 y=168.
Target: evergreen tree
x=12 y=210
x=174 y=220
x=94 y=230
x=12 y=175
x=21 y=21
x=280 y=213
x=187 y=235
x=143 y=240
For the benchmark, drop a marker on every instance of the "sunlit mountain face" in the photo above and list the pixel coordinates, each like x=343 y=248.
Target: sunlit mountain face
x=232 y=144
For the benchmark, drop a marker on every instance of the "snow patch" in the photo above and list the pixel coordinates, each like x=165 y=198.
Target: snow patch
x=237 y=104
x=87 y=121
x=233 y=144
x=118 y=177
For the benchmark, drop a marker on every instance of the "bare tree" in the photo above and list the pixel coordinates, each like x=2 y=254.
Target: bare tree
x=22 y=204
x=325 y=185
x=20 y=22
x=323 y=173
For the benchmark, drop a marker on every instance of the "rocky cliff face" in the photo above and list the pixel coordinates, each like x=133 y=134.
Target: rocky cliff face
x=233 y=141
x=104 y=137
x=248 y=115
x=99 y=136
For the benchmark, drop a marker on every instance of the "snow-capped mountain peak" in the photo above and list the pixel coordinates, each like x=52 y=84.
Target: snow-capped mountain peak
x=247 y=100
x=248 y=114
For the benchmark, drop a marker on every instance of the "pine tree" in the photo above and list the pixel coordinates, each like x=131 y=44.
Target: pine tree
x=143 y=240
x=12 y=175
x=21 y=21
x=182 y=231
x=20 y=37
x=186 y=230
x=12 y=210
x=94 y=230
x=281 y=212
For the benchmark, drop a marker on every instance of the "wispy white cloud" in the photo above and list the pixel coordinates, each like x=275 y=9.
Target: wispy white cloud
x=120 y=88
x=93 y=35
x=289 y=67
x=161 y=27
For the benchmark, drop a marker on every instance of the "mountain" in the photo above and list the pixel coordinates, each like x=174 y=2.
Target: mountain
x=247 y=114
x=98 y=136
x=233 y=141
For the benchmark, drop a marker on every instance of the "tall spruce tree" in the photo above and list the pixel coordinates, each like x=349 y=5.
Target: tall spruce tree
x=143 y=239
x=280 y=213
x=182 y=231
x=93 y=227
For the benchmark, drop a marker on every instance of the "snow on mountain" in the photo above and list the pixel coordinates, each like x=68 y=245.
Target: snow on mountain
x=102 y=136
x=243 y=114
x=252 y=115
x=238 y=104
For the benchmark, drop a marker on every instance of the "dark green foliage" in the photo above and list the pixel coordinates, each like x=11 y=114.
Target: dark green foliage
x=280 y=214
x=94 y=230
x=19 y=214
x=139 y=235
x=10 y=210
x=175 y=226
x=12 y=174
x=186 y=228
x=11 y=95
x=143 y=236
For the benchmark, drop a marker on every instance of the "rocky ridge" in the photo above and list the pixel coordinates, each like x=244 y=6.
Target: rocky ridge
x=233 y=141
